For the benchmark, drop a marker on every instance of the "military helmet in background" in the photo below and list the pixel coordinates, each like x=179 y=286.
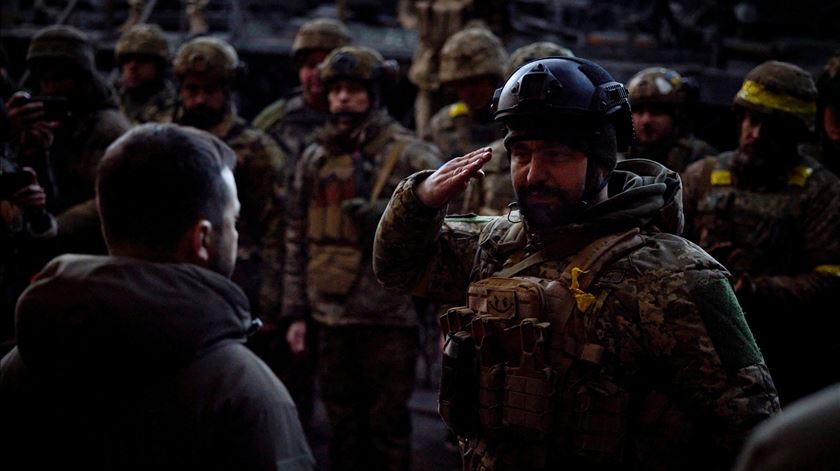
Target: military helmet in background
x=142 y=39
x=548 y=92
x=210 y=56
x=472 y=53
x=779 y=88
x=61 y=42
x=321 y=33
x=657 y=86
x=353 y=63
x=534 y=51
x=828 y=84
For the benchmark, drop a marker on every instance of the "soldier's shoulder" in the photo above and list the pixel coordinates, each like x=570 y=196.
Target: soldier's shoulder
x=664 y=254
x=449 y=116
x=270 y=115
x=696 y=148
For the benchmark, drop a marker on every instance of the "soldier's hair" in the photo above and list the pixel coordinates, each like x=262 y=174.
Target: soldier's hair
x=157 y=180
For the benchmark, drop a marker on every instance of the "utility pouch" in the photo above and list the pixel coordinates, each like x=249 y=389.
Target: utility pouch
x=488 y=335
x=507 y=298
x=333 y=270
x=599 y=421
x=529 y=388
x=458 y=395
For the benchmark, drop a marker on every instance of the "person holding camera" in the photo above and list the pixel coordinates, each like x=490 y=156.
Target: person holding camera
x=61 y=128
x=23 y=221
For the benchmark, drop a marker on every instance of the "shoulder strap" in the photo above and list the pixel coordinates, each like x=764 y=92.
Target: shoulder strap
x=387 y=168
x=590 y=259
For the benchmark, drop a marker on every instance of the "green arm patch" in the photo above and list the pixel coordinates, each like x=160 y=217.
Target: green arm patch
x=726 y=325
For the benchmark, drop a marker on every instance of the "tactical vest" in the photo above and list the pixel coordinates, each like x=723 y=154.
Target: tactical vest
x=765 y=223
x=519 y=369
x=335 y=252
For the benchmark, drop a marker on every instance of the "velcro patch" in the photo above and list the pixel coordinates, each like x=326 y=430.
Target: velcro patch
x=726 y=325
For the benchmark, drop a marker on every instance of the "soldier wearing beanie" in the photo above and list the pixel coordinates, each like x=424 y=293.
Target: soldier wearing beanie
x=770 y=212
x=146 y=94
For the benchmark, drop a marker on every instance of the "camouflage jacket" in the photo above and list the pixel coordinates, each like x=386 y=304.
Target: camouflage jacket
x=332 y=219
x=455 y=132
x=680 y=381
x=783 y=239
x=158 y=108
x=260 y=184
x=676 y=154
x=292 y=123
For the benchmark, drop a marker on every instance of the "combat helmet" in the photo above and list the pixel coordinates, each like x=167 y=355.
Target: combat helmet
x=143 y=40
x=210 y=56
x=546 y=92
x=61 y=42
x=779 y=88
x=471 y=53
x=534 y=51
x=657 y=86
x=321 y=33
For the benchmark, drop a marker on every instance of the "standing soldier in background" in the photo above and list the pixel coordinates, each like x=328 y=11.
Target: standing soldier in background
x=368 y=336
x=661 y=100
x=492 y=194
x=436 y=21
x=64 y=136
x=771 y=214
x=828 y=113
x=594 y=337
x=293 y=119
x=292 y=122
x=146 y=94
x=208 y=69
x=473 y=63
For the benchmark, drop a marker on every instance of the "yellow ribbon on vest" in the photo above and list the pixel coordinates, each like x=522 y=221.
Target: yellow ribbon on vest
x=757 y=94
x=582 y=298
x=799 y=175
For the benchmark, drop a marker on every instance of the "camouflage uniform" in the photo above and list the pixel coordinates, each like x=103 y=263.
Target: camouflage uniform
x=368 y=342
x=157 y=107
x=607 y=342
x=660 y=325
x=657 y=86
x=781 y=236
x=455 y=129
x=259 y=182
x=290 y=120
x=68 y=172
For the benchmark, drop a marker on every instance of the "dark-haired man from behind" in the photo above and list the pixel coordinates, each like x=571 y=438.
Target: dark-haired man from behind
x=137 y=360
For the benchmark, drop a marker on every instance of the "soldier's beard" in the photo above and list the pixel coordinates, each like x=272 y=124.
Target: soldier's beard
x=203 y=117
x=544 y=215
x=145 y=91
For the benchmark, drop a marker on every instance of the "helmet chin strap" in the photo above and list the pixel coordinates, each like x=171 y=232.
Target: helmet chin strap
x=589 y=193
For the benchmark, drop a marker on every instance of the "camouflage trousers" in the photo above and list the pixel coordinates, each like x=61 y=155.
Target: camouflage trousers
x=367 y=374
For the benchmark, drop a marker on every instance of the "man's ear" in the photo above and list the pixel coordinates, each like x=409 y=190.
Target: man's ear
x=195 y=246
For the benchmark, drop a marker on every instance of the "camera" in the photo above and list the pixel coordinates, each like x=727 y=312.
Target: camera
x=11 y=182
x=56 y=108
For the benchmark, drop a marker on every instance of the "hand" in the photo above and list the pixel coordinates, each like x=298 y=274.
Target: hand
x=296 y=337
x=28 y=126
x=32 y=197
x=451 y=179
